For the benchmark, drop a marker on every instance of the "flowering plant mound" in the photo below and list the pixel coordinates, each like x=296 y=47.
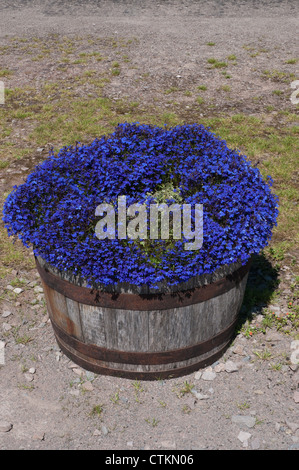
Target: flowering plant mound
x=54 y=210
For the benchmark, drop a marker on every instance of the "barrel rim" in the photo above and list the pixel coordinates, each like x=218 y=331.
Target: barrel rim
x=161 y=287
x=141 y=302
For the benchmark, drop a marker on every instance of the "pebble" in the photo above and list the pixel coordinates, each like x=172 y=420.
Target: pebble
x=198 y=375
x=17 y=290
x=5 y=426
x=219 y=367
x=296 y=397
x=90 y=375
x=87 y=386
x=209 y=374
x=199 y=395
x=78 y=371
x=39 y=436
x=105 y=431
x=294 y=358
x=32 y=370
x=244 y=420
x=6 y=313
x=238 y=349
x=28 y=377
x=231 y=366
x=38 y=289
x=6 y=326
x=277 y=427
x=244 y=437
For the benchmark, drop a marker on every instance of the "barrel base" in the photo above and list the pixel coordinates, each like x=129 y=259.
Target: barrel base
x=144 y=337
x=73 y=348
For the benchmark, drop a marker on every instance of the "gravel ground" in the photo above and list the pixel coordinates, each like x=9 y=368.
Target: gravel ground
x=247 y=400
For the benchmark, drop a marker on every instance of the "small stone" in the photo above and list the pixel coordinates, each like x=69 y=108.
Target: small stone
x=9 y=287
x=295 y=344
x=87 y=386
x=18 y=290
x=209 y=374
x=238 y=349
x=39 y=436
x=198 y=395
x=90 y=375
x=231 y=366
x=28 y=377
x=105 y=431
x=198 y=375
x=277 y=427
x=32 y=370
x=130 y=444
x=38 y=289
x=40 y=149
x=5 y=426
x=75 y=393
x=274 y=308
x=72 y=365
x=97 y=432
x=6 y=313
x=78 y=371
x=296 y=397
x=243 y=420
x=219 y=367
x=244 y=437
x=6 y=326
x=58 y=355
x=294 y=358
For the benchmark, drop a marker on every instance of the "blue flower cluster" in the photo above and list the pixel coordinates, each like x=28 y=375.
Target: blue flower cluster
x=54 y=210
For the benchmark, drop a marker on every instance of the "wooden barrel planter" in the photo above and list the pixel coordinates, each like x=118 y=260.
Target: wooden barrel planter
x=138 y=334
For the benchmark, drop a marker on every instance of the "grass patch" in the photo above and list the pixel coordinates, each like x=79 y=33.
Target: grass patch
x=291 y=61
x=278 y=76
x=217 y=64
x=5 y=73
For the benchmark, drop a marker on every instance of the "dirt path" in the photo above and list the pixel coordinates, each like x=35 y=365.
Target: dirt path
x=249 y=399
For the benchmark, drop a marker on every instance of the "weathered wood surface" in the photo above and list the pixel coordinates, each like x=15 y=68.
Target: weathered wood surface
x=127 y=342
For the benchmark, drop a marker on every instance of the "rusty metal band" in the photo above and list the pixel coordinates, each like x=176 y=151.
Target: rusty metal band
x=141 y=302
x=91 y=365
x=144 y=358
